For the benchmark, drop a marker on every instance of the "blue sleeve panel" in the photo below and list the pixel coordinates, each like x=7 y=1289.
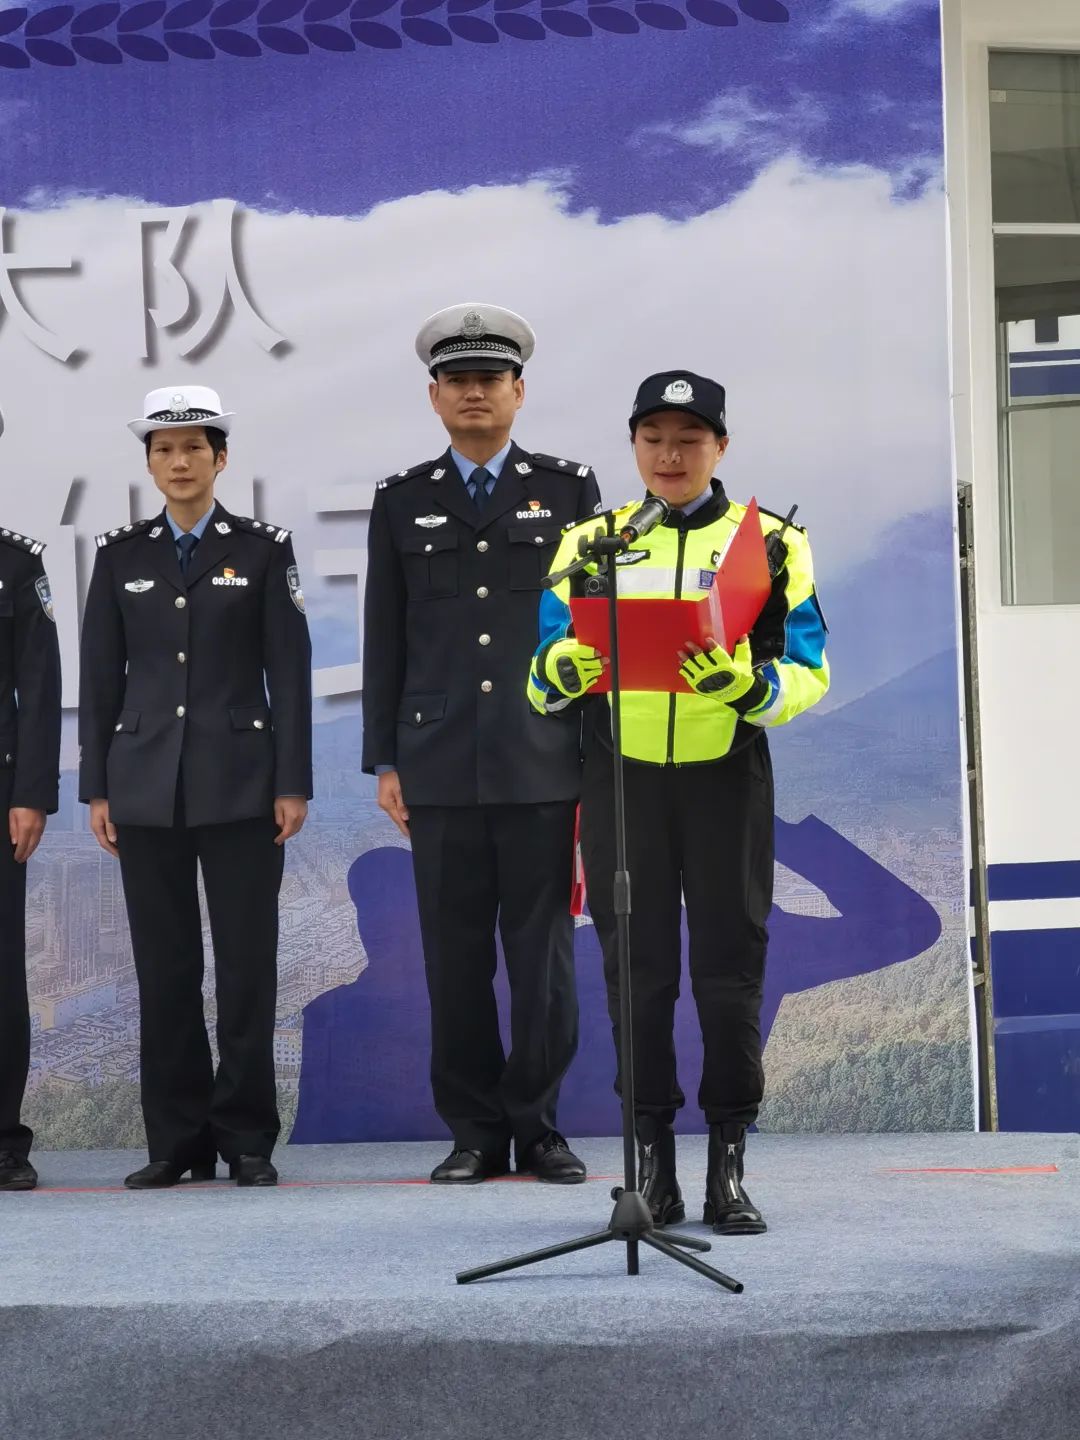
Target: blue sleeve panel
x=805 y=635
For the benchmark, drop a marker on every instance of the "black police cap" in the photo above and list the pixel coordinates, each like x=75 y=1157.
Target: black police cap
x=681 y=390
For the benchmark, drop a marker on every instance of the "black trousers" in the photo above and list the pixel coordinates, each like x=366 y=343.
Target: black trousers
x=14 y=1009
x=476 y=866
x=703 y=833
x=190 y=1112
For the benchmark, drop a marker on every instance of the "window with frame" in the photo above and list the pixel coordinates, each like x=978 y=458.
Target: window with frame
x=1035 y=179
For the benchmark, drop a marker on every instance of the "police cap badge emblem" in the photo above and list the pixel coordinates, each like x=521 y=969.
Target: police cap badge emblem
x=679 y=392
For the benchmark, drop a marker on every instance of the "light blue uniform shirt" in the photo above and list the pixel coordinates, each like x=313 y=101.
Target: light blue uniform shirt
x=197 y=529
x=493 y=466
x=703 y=499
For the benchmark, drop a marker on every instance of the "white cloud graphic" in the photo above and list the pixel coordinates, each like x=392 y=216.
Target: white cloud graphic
x=740 y=122
x=881 y=9
x=817 y=298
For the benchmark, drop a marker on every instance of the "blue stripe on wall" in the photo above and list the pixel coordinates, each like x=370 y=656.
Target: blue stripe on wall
x=1040 y=880
x=1035 y=972
x=1044 y=380
x=1046 y=357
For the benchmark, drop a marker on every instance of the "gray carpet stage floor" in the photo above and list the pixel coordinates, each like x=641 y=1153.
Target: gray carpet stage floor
x=909 y=1286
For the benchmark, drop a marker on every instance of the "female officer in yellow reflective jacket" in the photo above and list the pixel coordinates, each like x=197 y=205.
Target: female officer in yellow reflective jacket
x=699 y=791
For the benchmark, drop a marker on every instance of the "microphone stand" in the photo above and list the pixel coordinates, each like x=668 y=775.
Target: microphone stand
x=631 y=1221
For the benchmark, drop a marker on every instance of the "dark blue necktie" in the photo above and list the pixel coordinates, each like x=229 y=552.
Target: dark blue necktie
x=478 y=484
x=186 y=544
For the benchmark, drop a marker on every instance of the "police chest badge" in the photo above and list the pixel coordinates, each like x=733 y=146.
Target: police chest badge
x=293 y=575
x=44 y=594
x=535 y=511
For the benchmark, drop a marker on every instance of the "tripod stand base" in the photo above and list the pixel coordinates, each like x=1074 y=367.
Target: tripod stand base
x=631 y=1224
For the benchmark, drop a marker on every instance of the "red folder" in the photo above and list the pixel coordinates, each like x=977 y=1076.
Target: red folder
x=652 y=632
x=577 y=877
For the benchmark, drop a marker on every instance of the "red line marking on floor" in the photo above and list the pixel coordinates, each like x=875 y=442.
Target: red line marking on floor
x=971 y=1170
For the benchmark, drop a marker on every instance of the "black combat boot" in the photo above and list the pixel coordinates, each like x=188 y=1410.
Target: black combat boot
x=656 y=1171
x=728 y=1208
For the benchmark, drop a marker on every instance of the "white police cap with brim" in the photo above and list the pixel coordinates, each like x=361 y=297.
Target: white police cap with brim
x=177 y=406
x=475 y=336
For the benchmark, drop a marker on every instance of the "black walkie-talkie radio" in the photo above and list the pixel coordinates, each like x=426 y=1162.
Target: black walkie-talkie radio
x=775 y=549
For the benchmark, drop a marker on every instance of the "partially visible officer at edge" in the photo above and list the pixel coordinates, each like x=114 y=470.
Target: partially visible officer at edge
x=191 y=619
x=484 y=789
x=29 y=786
x=699 y=791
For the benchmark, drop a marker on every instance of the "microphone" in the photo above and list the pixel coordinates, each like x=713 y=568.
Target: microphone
x=650 y=513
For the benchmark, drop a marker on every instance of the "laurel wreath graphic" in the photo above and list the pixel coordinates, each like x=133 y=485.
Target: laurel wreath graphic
x=155 y=31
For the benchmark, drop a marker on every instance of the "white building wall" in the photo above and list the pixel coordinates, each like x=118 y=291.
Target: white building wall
x=1029 y=679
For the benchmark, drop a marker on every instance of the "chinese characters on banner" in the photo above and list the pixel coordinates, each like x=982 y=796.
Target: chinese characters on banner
x=164 y=301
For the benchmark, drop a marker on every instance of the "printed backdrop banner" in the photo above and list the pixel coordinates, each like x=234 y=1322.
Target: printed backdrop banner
x=268 y=196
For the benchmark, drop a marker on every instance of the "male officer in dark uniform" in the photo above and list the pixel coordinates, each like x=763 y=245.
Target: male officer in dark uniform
x=29 y=781
x=191 y=619
x=457 y=549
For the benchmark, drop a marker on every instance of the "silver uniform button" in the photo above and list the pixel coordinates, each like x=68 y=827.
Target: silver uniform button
x=179 y=602
x=8 y=759
x=485 y=686
x=481 y=545
x=260 y=724
x=181 y=656
x=180 y=711
x=118 y=728
x=483 y=592
x=485 y=639
x=427 y=549
x=418 y=717
x=538 y=539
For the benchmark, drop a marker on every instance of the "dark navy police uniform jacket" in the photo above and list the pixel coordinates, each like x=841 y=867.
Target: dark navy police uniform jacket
x=450 y=624
x=176 y=674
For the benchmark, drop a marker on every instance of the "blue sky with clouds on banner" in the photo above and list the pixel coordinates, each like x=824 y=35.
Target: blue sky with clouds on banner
x=722 y=199
x=329 y=128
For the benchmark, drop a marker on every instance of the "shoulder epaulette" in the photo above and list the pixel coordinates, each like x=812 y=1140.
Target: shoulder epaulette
x=263 y=528
x=405 y=474
x=22 y=542
x=122 y=532
x=792 y=525
x=569 y=467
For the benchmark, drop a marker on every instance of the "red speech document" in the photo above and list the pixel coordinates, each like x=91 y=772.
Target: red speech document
x=652 y=632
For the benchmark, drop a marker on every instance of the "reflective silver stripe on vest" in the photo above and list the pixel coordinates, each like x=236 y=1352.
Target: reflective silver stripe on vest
x=641 y=579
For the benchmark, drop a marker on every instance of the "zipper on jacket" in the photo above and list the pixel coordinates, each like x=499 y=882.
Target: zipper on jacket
x=678 y=596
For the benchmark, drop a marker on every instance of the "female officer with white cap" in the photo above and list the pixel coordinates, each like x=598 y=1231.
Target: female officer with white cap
x=195 y=736
x=699 y=790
